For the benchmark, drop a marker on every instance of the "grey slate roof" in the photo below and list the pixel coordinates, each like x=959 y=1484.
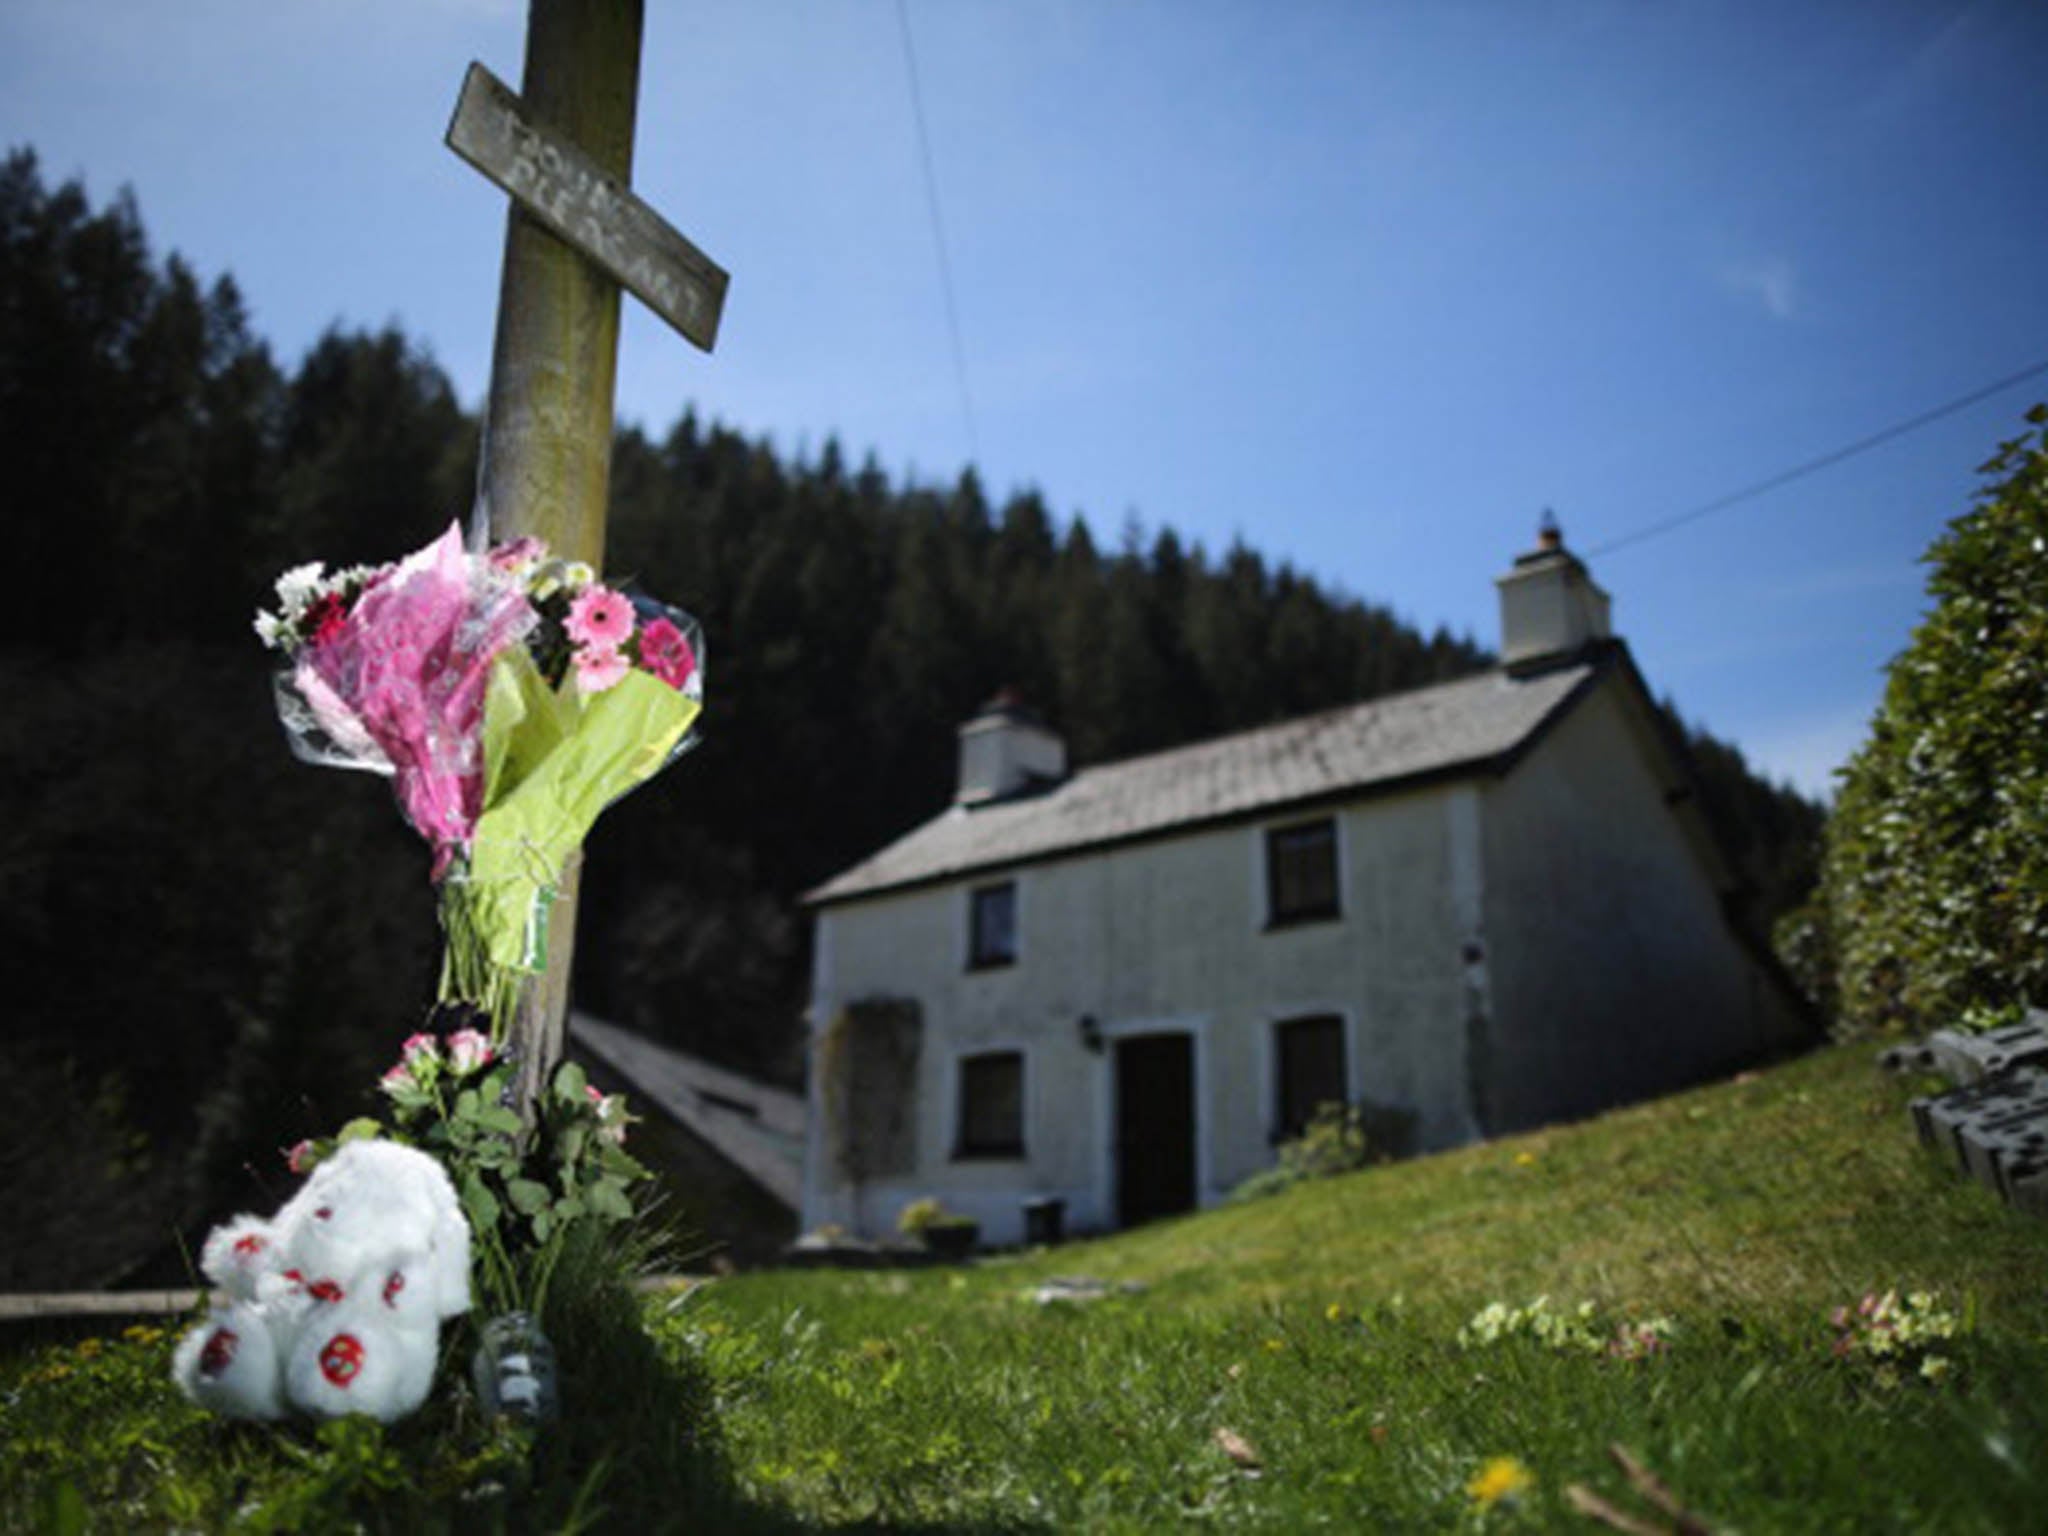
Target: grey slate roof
x=1462 y=726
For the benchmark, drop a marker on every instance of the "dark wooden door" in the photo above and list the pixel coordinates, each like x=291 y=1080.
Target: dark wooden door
x=1155 y=1127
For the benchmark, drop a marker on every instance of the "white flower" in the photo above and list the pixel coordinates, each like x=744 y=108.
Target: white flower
x=297 y=588
x=271 y=630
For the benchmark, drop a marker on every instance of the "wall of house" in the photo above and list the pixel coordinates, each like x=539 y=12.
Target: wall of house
x=1611 y=970
x=1166 y=935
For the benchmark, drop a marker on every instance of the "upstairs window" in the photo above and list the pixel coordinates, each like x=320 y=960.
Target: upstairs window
x=991 y=1122
x=1309 y=1070
x=1301 y=873
x=992 y=926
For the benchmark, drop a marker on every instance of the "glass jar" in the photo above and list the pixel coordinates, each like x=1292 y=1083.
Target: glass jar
x=514 y=1371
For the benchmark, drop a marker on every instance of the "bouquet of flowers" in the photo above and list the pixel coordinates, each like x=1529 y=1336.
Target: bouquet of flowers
x=510 y=696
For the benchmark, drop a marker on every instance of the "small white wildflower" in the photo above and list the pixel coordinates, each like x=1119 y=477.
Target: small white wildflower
x=270 y=629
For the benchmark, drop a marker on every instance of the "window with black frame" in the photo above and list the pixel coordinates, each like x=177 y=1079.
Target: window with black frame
x=991 y=1112
x=1308 y=1070
x=1301 y=873
x=992 y=926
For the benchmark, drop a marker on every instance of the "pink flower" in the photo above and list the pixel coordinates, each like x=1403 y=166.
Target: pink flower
x=468 y=1050
x=611 y=1114
x=300 y=1157
x=665 y=653
x=327 y=618
x=411 y=667
x=600 y=667
x=600 y=617
x=399 y=1080
x=519 y=554
x=420 y=1050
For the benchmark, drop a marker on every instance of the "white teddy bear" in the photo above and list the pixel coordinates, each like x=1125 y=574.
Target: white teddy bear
x=335 y=1305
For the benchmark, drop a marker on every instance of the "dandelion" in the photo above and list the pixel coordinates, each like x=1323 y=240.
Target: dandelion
x=1502 y=1477
x=1334 y=1312
x=1525 y=1159
x=600 y=617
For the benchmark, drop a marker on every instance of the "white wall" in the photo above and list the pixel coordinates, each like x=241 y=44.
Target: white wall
x=1169 y=935
x=1612 y=971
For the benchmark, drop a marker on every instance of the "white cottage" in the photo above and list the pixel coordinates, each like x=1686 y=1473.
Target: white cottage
x=1475 y=907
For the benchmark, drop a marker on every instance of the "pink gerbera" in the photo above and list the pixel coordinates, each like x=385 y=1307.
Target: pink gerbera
x=599 y=667
x=600 y=617
x=665 y=653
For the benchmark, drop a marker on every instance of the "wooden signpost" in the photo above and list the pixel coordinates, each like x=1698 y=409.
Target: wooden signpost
x=570 y=193
x=575 y=234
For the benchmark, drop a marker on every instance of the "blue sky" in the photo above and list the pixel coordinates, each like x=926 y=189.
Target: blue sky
x=1369 y=285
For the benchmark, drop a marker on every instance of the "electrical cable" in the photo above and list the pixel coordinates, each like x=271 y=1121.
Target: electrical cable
x=931 y=195
x=1861 y=445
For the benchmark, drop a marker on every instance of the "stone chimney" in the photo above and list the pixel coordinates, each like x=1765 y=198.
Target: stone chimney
x=1007 y=750
x=1551 y=611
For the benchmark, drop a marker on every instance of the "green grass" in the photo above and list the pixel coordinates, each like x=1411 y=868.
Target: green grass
x=1319 y=1327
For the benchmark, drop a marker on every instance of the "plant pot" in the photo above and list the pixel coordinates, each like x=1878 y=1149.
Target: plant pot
x=952 y=1239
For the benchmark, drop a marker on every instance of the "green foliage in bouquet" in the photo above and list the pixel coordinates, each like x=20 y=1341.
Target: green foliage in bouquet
x=524 y=1191
x=1936 y=871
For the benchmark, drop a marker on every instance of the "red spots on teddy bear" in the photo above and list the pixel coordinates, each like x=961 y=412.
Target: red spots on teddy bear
x=324 y=1290
x=342 y=1360
x=219 y=1352
x=325 y=1213
x=392 y=1287
x=249 y=1244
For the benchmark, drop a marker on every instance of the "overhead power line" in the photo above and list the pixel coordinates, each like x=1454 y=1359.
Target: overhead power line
x=1811 y=466
x=931 y=198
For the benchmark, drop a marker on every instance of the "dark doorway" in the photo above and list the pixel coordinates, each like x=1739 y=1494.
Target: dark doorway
x=1155 y=1127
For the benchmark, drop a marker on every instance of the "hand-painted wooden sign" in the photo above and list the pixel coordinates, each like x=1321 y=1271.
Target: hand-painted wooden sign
x=563 y=187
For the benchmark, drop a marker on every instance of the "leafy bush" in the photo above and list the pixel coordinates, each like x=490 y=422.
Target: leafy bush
x=1339 y=1138
x=1935 y=877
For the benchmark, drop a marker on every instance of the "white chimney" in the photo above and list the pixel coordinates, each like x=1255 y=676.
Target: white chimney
x=1551 y=610
x=1007 y=750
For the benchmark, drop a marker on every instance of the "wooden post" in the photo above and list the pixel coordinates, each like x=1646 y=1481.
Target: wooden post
x=563 y=150
x=548 y=427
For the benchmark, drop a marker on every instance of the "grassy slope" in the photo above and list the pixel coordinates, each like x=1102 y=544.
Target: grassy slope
x=1746 y=1211
x=1319 y=1326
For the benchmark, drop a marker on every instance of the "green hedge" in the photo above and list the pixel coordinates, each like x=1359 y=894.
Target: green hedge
x=1935 y=877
